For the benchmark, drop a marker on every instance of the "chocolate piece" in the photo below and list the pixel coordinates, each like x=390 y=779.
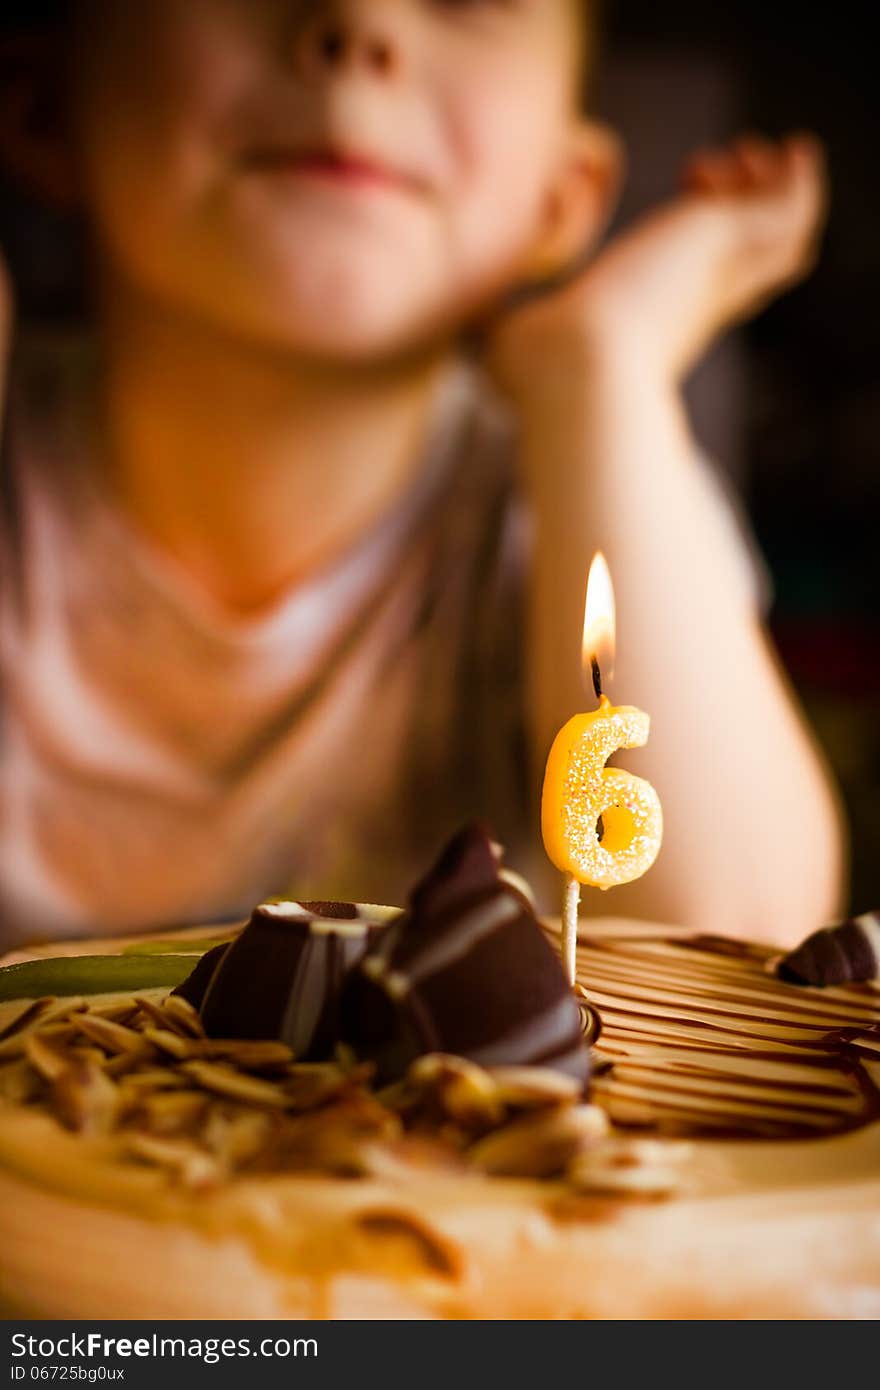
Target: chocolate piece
x=194 y=987
x=845 y=954
x=467 y=970
x=281 y=978
x=467 y=866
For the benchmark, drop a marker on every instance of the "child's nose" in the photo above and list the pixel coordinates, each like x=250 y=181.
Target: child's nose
x=346 y=35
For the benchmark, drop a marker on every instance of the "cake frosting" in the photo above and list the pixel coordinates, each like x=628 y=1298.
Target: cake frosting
x=705 y=1040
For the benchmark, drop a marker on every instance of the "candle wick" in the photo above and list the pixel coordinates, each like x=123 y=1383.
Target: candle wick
x=597 y=676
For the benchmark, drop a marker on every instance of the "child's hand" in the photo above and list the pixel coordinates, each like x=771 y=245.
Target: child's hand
x=745 y=226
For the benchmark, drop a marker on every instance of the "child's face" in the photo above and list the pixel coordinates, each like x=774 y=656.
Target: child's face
x=348 y=179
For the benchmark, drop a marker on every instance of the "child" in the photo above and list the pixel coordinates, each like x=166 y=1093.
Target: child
x=287 y=591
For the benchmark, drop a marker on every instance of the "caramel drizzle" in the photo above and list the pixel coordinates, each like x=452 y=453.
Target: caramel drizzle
x=704 y=1040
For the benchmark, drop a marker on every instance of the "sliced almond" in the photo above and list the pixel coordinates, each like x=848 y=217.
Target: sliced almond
x=175 y=1044
x=115 y=1038
x=540 y=1145
x=85 y=1099
x=80 y=1052
x=125 y=1062
x=47 y=1059
x=531 y=1088
x=153 y=1078
x=184 y=1015
x=225 y=1081
x=66 y=1008
x=171 y=1112
x=25 y=1018
x=161 y=1013
x=237 y=1138
x=309 y=1085
x=249 y=1055
x=58 y=1031
x=120 y=1011
x=190 y=1164
x=152 y=1012
x=463 y=1091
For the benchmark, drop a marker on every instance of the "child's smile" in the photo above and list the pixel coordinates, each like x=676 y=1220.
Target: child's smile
x=345 y=168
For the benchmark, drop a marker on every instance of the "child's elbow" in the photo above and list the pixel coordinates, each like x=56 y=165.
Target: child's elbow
x=806 y=886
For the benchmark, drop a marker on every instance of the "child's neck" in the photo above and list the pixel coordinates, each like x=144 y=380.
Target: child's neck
x=250 y=469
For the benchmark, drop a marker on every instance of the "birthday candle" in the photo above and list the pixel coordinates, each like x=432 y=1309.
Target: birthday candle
x=601 y=826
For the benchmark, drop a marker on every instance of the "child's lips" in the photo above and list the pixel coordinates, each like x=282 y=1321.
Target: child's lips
x=343 y=169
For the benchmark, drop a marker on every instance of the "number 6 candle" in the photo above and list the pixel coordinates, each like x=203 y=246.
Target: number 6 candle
x=601 y=826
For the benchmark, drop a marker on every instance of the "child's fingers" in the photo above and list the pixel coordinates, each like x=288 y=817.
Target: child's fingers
x=713 y=171
x=801 y=193
x=694 y=173
x=754 y=164
x=805 y=147
x=749 y=164
x=788 y=210
x=807 y=165
x=760 y=161
x=800 y=168
x=808 y=173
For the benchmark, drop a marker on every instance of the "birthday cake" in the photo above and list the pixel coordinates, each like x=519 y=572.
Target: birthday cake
x=338 y=1110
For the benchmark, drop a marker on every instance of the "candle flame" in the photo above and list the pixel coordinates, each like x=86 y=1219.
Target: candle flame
x=599 y=626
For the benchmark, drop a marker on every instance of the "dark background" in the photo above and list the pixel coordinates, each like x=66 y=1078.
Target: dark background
x=790 y=406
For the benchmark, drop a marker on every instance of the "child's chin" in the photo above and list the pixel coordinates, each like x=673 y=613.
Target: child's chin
x=361 y=350
x=372 y=334
x=363 y=303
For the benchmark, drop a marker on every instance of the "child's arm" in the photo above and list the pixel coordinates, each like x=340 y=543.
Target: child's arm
x=753 y=843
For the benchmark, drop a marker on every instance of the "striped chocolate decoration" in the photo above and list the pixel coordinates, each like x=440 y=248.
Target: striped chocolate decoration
x=704 y=1039
x=282 y=976
x=838 y=955
x=466 y=970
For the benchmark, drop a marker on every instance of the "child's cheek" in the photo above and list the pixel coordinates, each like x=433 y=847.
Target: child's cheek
x=162 y=96
x=505 y=154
